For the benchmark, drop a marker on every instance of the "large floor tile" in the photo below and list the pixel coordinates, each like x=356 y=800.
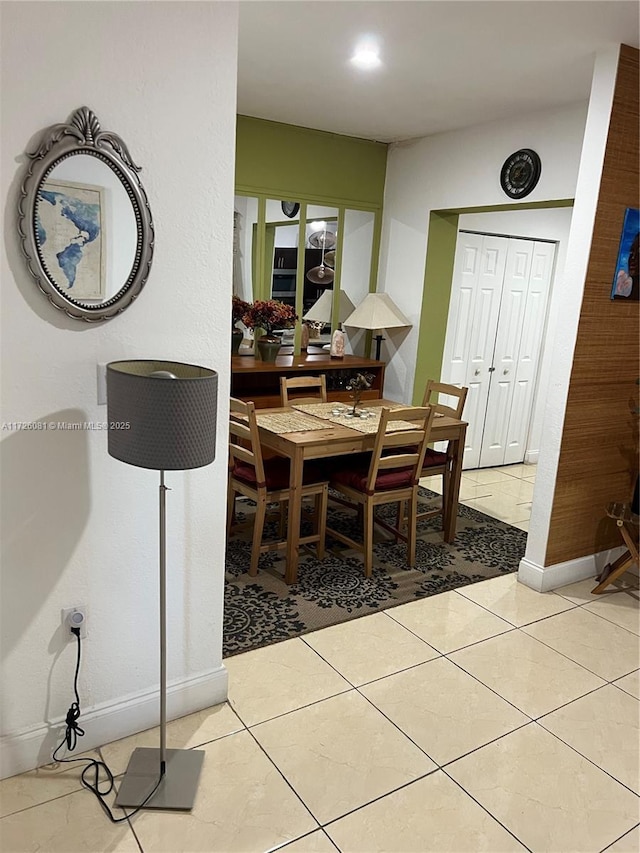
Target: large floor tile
x=550 y=797
x=520 y=490
x=442 y=709
x=449 y=621
x=43 y=784
x=503 y=507
x=274 y=680
x=513 y=601
x=242 y=804
x=526 y=673
x=340 y=754
x=183 y=733
x=623 y=609
x=470 y=490
x=486 y=476
x=317 y=842
x=630 y=683
x=518 y=470
x=604 y=727
x=579 y=592
x=432 y=814
x=368 y=648
x=629 y=843
x=72 y=824
x=597 y=644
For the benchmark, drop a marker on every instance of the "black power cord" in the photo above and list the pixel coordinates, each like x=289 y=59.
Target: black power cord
x=71 y=735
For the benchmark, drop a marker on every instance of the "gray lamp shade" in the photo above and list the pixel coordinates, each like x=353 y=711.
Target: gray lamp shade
x=170 y=409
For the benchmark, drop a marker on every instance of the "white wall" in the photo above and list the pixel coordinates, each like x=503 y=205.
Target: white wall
x=544 y=224
x=79 y=527
x=455 y=170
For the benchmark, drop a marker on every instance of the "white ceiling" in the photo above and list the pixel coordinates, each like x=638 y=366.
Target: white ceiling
x=447 y=64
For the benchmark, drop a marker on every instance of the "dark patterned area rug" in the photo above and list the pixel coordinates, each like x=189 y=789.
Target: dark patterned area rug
x=263 y=610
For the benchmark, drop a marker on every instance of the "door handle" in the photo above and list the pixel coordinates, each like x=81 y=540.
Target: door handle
x=491 y=369
x=505 y=371
x=477 y=373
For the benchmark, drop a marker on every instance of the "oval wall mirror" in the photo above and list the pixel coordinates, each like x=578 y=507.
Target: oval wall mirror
x=84 y=220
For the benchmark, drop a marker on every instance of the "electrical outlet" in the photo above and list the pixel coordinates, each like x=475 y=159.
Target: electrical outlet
x=75 y=617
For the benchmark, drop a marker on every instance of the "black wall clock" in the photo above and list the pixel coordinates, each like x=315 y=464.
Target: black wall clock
x=520 y=173
x=290 y=208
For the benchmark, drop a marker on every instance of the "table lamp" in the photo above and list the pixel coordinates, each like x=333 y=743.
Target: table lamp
x=377 y=311
x=169 y=410
x=321 y=311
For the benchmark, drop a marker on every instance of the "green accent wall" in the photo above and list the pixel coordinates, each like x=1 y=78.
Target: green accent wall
x=441 y=250
x=284 y=161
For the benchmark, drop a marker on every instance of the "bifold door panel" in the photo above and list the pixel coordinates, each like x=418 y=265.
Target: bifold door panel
x=494 y=336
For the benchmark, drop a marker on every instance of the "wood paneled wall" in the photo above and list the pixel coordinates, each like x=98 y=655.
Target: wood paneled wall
x=599 y=451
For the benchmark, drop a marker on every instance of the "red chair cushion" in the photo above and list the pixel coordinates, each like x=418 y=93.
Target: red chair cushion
x=394 y=478
x=433 y=459
x=276 y=473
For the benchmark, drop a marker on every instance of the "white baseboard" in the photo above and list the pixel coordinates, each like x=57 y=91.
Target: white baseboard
x=31 y=748
x=545 y=578
x=531 y=457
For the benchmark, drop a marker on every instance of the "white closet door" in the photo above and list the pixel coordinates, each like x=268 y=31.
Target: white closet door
x=505 y=357
x=473 y=316
x=531 y=338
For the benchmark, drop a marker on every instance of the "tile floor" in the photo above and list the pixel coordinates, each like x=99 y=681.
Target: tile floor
x=491 y=718
x=505 y=493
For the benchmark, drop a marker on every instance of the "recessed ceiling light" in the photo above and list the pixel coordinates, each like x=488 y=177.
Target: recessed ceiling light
x=366 y=55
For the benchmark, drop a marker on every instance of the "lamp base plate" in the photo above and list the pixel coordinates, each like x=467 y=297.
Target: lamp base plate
x=178 y=787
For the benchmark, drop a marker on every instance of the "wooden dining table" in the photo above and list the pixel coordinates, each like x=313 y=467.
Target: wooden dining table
x=339 y=439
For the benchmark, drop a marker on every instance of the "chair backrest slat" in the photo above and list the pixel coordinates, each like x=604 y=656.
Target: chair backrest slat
x=303 y=383
x=244 y=438
x=411 y=443
x=434 y=389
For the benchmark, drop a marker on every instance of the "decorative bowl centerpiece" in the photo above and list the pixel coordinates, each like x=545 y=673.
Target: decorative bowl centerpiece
x=269 y=315
x=357 y=384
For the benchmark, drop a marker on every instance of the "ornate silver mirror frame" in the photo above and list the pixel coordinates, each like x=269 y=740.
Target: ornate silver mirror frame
x=60 y=142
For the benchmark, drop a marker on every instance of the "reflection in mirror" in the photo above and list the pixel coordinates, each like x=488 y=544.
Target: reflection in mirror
x=356 y=265
x=87 y=229
x=321 y=231
x=245 y=221
x=84 y=220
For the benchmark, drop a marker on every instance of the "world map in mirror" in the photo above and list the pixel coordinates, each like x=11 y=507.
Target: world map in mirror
x=69 y=222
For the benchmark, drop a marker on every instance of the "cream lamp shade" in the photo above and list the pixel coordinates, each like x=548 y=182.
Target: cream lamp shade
x=321 y=311
x=377 y=311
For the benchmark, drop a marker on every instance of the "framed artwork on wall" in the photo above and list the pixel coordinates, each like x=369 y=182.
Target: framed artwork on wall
x=626 y=279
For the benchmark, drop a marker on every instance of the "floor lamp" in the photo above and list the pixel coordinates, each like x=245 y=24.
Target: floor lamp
x=162 y=415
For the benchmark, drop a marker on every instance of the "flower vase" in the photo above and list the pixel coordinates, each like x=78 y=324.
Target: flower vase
x=236 y=340
x=268 y=347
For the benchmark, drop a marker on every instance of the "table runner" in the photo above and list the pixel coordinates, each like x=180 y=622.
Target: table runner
x=366 y=425
x=283 y=422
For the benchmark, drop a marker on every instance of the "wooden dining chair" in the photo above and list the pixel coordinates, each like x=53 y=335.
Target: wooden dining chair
x=439 y=463
x=267 y=481
x=303 y=384
x=389 y=476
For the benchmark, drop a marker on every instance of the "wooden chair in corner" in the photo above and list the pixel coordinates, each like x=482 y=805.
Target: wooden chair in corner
x=390 y=477
x=267 y=481
x=303 y=388
x=439 y=463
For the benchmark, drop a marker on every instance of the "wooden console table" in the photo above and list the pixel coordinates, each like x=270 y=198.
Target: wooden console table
x=252 y=379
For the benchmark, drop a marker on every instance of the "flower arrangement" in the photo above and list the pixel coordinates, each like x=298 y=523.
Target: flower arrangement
x=238 y=309
x=268 y=314
x=357 y=384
